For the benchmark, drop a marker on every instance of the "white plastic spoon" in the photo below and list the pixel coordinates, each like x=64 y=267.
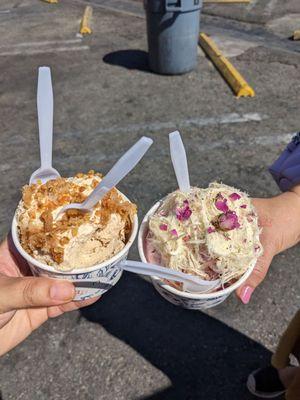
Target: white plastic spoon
x=179 y=160
x=122 y=167
x=45 y=119
x=190 y=283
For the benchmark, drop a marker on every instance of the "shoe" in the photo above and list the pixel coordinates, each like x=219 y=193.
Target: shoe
x=265 y=383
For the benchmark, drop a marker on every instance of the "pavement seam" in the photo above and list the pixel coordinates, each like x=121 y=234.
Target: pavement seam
x=29 y=52
x=225 y=119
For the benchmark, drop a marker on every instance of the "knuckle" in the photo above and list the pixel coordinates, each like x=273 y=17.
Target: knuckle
x=261 y=270
x=29 y=292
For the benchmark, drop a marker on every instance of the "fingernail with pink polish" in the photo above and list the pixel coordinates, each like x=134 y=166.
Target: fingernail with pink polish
x=246 y=294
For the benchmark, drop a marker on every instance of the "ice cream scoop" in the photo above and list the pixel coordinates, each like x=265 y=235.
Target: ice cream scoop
x=211 y=233
x=75 y=240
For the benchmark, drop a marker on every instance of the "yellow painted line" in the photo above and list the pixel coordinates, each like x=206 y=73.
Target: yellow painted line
x=51 y=1
x=227 y=1
x=85 y=26
x=296 y=35
x=235 y=80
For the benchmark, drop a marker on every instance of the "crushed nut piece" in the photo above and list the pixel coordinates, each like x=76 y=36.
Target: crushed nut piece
x=47 y=218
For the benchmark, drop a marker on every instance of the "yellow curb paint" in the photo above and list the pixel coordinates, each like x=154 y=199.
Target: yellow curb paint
x=296 y=35
x=51 y=1
x=85 y=26
x=234 y=79
x=227 y=1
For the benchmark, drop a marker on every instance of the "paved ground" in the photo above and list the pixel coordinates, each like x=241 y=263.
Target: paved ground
x=132 y=344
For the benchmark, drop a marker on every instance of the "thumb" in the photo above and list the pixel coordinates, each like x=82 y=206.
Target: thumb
x=259 y=273
x=18 y=293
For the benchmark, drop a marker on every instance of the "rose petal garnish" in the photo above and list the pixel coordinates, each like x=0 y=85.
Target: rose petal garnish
x=221 y=203
x=228 y=221
x=210 y=229
x=186 y=238
x=183 y=213
x=174 y=232
x=163 y=227
x=234 y=196
x=243 y=206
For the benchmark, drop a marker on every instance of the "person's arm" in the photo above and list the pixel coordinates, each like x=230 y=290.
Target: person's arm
x=279 y=216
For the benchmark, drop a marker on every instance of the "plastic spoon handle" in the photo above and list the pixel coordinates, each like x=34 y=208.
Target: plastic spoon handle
x=179 y=160
x=122 y=167
x=45 y=115
x=162 y=272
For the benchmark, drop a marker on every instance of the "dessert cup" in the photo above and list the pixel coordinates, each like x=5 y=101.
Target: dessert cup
x=89 y=282
x=192 y=301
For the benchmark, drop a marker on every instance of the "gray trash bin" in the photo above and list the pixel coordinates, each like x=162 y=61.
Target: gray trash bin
x=173 y=31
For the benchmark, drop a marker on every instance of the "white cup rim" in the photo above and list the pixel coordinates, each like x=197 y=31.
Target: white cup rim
x=169 y=288
x=46 y=267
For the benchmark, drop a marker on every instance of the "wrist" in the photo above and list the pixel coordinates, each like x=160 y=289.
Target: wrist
x=294 y=203
x=288 y=204
x=285 y=218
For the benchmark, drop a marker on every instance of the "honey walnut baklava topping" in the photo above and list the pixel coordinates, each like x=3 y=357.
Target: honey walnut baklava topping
x=41 y=232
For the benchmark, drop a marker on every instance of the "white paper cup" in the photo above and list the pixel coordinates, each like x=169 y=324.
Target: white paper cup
x=89 y=282
x=191 y=301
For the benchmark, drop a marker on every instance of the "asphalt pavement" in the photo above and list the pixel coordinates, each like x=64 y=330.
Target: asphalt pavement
x=132 y=344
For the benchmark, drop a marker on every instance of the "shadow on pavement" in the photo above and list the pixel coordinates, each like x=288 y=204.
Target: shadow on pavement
x=130 y=59
x=203 y=358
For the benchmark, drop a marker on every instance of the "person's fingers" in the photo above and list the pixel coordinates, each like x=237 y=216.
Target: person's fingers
x=19 y=261
x=20 y=293
x=6 y=317
x=259 y=273
x=55 y=311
